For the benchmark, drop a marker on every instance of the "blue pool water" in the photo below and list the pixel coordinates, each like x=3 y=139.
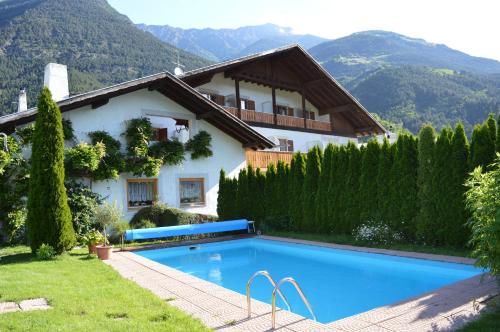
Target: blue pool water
x=338 y=283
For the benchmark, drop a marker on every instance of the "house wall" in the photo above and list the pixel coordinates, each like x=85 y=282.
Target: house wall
x=227 y=152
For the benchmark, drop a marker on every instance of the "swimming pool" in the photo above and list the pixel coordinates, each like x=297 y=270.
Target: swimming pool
x=338 y=283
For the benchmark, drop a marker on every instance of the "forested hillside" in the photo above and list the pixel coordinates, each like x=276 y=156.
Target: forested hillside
x=99 y=45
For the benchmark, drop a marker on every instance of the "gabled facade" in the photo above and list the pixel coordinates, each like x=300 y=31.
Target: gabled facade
x=258 y=109
x=285 y=95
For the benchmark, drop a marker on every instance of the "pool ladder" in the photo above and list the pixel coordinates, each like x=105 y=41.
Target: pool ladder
x=277 y=290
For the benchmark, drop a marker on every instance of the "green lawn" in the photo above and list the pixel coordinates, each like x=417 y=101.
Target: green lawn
x=86 y=295
x=349 y=239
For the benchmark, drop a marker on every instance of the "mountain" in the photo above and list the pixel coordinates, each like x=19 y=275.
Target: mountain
x=414 y=95
x=99 y=46
x=351 y=56
x=223 y=44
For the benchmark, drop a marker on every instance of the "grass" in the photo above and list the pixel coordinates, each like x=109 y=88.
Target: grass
x=86 y=295
x=349 y=239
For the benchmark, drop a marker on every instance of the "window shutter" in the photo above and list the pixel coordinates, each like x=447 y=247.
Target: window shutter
x=162 y=134
x=290 y=145
x=250 y=105
x=219 y=100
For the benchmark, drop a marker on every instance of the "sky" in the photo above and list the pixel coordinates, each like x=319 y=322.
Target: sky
x=471 y=26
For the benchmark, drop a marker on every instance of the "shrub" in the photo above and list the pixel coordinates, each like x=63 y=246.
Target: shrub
x=49 y=216
x=161 y=215
x=93 y=237
x=145 y=223
x=483 y=201
x=84 y=158
x=83 y=203
x=45 y=252
x=15 y=226
x=376 y=233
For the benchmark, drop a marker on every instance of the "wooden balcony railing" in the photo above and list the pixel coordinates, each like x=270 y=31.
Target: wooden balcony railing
x=262 y=159
x=280 y=120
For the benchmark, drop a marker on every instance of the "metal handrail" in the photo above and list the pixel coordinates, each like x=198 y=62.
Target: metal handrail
x=271 y=280
x=299 y=290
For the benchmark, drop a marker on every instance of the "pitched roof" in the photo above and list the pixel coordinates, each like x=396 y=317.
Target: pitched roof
x=292 y=68
x=168 y=85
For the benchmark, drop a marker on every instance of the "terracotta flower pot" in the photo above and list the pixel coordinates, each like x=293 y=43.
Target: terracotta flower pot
x=104 y=252
x=92 y=248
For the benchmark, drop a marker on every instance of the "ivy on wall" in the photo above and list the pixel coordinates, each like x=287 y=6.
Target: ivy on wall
x=200 y=146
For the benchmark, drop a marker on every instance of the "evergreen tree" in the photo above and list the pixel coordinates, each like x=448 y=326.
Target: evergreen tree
x=49 y=216
x=310 y=189
x=270 y=194
x=455 y=213
x=426 y=217
x=348 y=171
x=297 y=174
x=283 y=205
x=386 y=158
x=222 y=196
x=337 y=188
x=368 y=182
x=404 y=187
x=242 y=194
x=482 y=146
x=232 y=201
x=492 y=126
x=258 y=196
x=440 y=183
x=321 y=217
x=498 y=134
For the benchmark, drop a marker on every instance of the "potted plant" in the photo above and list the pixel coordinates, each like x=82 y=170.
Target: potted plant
x=108 y=216
x=92 y=239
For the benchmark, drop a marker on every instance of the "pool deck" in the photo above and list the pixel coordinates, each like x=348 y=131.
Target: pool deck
x=221 y=309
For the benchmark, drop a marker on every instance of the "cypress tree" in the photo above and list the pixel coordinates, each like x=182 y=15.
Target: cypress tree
x=241 y=195
x=426 y=216
x=222 y=198
x=49 y=216
x=321 y=216
x=297 y=174
x=368 y=182
x=232 y=201
x=283 y=205
x=482 y=146
x=492 y=126
x=338 y=197
x=384 y=181
x=251 y=197
x=310 y=189
x=498 y=134
x=270 y=194
x=455 y=215
x=350 y=196
x=404 y=187
x=258 y=196
x=442 y=184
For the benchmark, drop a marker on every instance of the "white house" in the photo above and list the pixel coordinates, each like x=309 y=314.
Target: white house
x=257 y=109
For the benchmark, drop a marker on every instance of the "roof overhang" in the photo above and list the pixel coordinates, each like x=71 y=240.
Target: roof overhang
x=168 y=85
x=291 y=68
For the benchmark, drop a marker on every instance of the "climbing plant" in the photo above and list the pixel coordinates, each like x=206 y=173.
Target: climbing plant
x=113 y=163
x=200 y=145
x=83 y=159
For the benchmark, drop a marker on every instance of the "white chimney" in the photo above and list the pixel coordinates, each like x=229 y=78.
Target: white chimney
x=56 y=79
x=22 y=103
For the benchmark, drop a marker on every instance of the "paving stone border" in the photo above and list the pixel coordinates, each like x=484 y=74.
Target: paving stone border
x=445 y=309
x=26 y=305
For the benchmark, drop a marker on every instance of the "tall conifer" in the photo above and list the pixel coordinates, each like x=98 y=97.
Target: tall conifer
x=49 y=216
x=297 y=174
x=384 y=181
x=310 y=189
x=350 y=196
x=482 y=146
x=368 y=182
x=321 y=217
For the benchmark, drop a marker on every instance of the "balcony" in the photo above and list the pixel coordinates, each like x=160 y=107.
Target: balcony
x=279 y=120
x=262 y=159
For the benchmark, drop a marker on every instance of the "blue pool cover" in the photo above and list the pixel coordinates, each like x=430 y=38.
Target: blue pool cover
x=192 y=229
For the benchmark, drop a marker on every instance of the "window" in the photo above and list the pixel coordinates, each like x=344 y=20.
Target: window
x=286 y=145
x=284 y=110
x=218 y=99
x=310 y=115
x=160 y=134
x=141 y=192
x=247 y=104
x=192 y=191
